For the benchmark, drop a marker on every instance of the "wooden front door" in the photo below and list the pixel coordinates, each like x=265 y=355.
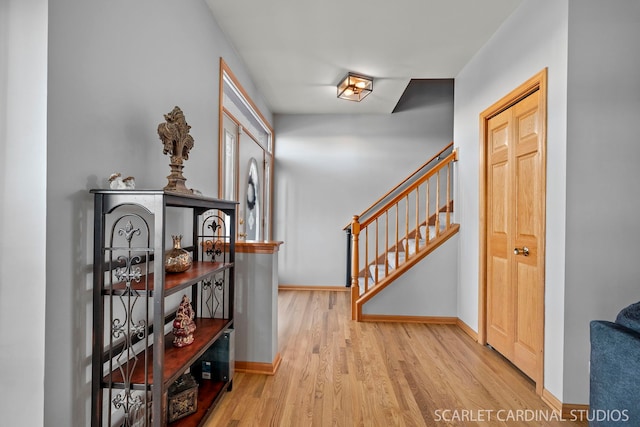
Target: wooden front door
x=515 y=224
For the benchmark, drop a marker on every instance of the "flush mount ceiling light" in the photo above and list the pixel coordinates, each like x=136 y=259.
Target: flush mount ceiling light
x=355 y=87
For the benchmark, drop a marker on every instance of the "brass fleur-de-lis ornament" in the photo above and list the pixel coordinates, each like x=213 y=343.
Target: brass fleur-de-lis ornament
x=174 y=134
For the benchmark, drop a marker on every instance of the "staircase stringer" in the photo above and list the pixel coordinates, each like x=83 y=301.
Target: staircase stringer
x=400 y=270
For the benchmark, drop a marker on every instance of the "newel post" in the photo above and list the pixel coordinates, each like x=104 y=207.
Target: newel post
x=355 y=256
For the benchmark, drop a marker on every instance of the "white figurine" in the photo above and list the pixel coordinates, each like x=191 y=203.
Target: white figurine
x=116 y=182
x=129 y=183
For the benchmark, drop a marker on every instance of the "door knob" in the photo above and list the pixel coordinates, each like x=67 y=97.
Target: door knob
x=521 y=251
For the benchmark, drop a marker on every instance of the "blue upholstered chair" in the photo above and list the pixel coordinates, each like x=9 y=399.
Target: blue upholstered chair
x=614 y=399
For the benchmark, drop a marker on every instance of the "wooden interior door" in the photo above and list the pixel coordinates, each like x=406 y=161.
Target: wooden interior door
x=515 y=178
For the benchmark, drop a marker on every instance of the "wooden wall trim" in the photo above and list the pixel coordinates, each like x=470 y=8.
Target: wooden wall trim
x=244 y=129
x=255 y=247
x=313 y=288
x=575 y=412
x=225 y=68
x=467 y=329
x=258 y=367
x=553 y=402
x=391 y=318
x=568 y=411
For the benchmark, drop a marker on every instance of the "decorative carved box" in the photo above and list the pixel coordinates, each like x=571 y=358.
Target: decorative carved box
x=183 y=397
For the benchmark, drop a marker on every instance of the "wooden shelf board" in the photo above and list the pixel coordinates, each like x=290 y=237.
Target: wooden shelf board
x=176 y=360
x=173 y=282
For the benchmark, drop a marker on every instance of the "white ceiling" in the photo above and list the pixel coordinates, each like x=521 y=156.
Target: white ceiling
x=296 y=51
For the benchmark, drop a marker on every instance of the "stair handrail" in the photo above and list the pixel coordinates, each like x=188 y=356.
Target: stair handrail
x=438 y=157
x=431 y=172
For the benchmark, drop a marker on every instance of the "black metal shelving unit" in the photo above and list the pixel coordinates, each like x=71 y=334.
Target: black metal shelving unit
x=134 y=361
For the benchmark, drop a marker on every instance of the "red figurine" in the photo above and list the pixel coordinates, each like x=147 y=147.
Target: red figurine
x=183 y=324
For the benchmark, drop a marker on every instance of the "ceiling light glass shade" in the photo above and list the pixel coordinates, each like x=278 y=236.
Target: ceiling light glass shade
x=355 y=87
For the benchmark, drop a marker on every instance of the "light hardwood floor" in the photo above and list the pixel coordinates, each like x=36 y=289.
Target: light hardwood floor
x=336 y=372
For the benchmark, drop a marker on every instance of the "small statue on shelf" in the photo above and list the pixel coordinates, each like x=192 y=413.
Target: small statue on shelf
x=183 y=324
x=116 y=182
x=176 y=141
x=129 y=183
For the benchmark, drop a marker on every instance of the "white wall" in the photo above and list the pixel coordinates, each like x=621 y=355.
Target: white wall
x=23 y=151
x=533 y=38
x=428 y=289
x=330 y=167
x=603 y=154
x=114 y=69
x=256 y=318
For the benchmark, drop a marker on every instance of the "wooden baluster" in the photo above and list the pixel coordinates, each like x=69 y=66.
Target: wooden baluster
x=448 y=195
x=375 y=260
x=367 y=273
x=437 y=203
x=453 y=160
x=416 y=233
x=428 y=195
x=386 y=243
x=355 y=293
x=406 y=226
x=397 y=238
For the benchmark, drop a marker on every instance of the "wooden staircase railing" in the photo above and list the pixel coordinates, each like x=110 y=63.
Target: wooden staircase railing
x=400 y=229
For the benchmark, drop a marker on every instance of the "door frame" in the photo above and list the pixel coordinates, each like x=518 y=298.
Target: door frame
x=252 y=123
x=536 y=83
